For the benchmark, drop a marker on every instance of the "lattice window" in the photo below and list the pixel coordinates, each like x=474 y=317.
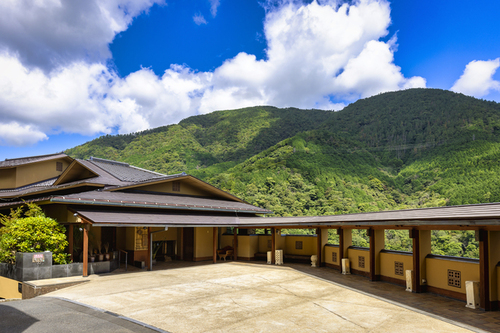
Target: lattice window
x=176 y=186
x=454 y=278
x=298 y=245
x=398 y=268
x=361 y=262
x=269 y=244
x=334 y=256
x=59 y=166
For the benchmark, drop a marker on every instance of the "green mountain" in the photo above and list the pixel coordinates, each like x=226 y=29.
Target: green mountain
x=405 y=149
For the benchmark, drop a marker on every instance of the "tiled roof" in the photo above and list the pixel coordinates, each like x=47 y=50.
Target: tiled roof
x=9 y=163
x=124 y=171
x=157 y=201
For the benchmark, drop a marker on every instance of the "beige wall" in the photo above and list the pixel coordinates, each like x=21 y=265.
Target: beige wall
x=8 y=178
x=170 y=234
x=308 y=245
x=36 y=172
x=328 y=255
x=226 y=240
x=186 y=189
x=8 y=288
x=387 y=263
x=437 y=273
x=248 y=245
x=203 y=242
x=264 y=241
x=353 y=255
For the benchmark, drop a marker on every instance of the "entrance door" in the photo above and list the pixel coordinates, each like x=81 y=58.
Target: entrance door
x=188 y=244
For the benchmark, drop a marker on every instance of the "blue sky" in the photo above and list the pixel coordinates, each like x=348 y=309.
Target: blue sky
x=72 y=71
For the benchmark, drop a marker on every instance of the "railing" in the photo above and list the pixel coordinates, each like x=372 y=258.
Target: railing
x=126 y=258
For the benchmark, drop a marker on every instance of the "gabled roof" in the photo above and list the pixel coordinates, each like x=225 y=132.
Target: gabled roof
x=10 y=163
x=124 y=171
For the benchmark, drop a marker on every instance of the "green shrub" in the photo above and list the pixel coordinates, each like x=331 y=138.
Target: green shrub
x=32 y=233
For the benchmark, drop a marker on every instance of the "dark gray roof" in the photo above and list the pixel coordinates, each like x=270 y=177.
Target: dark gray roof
x=104 y=177
x=124 y=171
x=158 y=218
x=165 y=201
x=8 y=163
x=465 y=215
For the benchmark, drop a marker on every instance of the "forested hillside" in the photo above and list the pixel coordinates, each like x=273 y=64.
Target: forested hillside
x=405 y=149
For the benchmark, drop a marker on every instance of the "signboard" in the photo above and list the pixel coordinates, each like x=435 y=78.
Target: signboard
x=38 y=258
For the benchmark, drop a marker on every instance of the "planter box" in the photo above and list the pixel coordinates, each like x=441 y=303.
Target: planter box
x=33 y=266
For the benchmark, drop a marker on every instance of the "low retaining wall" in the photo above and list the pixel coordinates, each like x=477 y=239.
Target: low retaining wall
x=38 y=266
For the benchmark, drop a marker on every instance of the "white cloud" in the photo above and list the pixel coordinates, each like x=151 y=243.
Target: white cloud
x=14 y=134
x=317 y=54
x=199 y=19
x=214 y=5
x=477 y=79
x=50 y=33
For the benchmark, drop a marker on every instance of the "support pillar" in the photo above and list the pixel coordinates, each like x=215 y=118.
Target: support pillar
x=273 y=245
x=340 y=232
x=346 y=242
x=149 y=263
x=318 y=246
x=215 y=243
x=494 y=258
x=235 y=257
x=421 y=248
x=85 y=269
x=377 y=243
x=484 y=271
x=70 y=241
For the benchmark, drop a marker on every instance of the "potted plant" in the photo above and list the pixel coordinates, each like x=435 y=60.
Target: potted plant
x=91 y=253
x=100 y=253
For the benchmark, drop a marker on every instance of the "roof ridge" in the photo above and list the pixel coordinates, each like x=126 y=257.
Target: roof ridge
x=27 y=157
x=92 y=158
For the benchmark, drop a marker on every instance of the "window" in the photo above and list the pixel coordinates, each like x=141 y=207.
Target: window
x=361 y=262
x=269 y=244
x=334 y=256
x=59 y=166
x=398 y=268
x=176 y=186
x=454 y=279
x=298 y=245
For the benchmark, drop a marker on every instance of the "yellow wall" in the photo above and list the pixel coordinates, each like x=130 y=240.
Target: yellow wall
x=353 y=255
x=248 y=245
x=186 y=188
x=8 y=288
x=328 y=255
x=226 y=240
x=203 y=242
x=130 y=239
x=170 y=234
x=263 y=243
x=387 y=263
x=36 y=172
x=308 y=245
x=437 y=273
x=8 y=178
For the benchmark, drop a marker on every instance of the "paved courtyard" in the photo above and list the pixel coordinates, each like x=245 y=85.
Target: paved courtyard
x=245 y=297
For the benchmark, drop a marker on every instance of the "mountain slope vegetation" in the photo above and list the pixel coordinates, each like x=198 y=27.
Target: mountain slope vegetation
x=405 y=149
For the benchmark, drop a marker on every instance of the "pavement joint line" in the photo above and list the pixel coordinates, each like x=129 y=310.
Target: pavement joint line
x=137 y=322
x=407 y=307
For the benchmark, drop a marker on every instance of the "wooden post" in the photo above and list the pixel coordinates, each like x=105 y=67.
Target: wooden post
x=85 y=250
x=235 y=244
x=416 y=286
x=149 y=264
x=215 y=244
x=70 y=241
x=340 y=232
x=371 y=234
x=318 y=245
x=484 y=271
x=273 y=245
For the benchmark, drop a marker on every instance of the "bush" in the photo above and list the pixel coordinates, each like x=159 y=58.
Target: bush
x=32 y=233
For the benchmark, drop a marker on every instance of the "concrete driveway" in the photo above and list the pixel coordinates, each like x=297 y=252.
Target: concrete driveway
x=243 y=297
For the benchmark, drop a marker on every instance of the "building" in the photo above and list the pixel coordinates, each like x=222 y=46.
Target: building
x=128 y=208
